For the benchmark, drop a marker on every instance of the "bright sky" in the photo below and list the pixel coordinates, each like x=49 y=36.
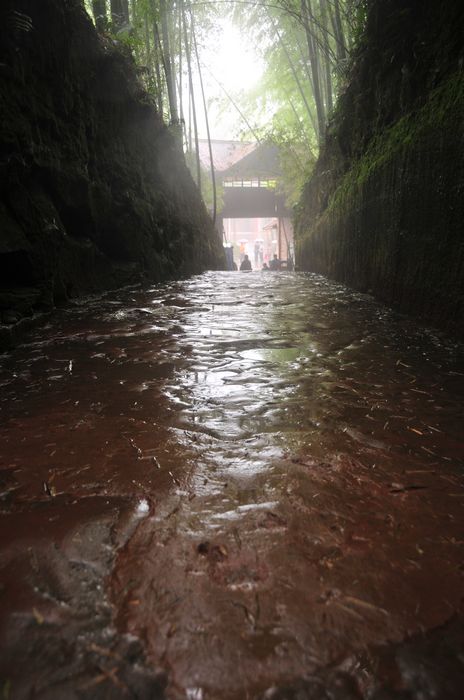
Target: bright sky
x=235 y=65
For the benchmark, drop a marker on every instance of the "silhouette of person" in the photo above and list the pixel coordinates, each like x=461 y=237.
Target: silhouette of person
x=229 y=251
x=246 y=264
x=275 y=263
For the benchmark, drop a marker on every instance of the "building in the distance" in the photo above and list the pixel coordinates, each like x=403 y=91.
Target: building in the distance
x=254 y=218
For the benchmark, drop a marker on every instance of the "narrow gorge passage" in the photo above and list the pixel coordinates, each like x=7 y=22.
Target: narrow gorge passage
x=272 y=464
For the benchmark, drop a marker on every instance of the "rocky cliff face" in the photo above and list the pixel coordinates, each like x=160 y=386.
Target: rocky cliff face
x=383 y=211
x=94 y=192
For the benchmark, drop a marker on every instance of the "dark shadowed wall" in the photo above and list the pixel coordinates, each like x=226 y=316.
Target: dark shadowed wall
x=384 y=209
x=93 y=191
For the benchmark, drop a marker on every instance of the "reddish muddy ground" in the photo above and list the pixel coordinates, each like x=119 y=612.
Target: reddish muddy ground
x=234 y=487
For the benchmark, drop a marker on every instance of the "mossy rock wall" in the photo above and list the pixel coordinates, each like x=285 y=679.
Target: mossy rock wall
x=383 y=211
x=94 y=191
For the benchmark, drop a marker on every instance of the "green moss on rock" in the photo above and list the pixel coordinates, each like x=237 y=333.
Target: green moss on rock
x=435 y=117
x=383 y=210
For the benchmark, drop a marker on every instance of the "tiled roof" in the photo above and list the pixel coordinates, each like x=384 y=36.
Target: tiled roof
x=225 y=153
x=262 y=162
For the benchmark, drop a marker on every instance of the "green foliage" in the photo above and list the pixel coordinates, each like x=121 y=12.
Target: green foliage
x=297 y=155
x=206 y=184
x=357 y=17
x=294 y=37
x=284 y=31
x=432 y=117
x=131 y=40
x=88 y=6
x=20 y=22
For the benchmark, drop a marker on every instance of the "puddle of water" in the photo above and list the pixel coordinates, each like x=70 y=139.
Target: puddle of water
x=277 y=355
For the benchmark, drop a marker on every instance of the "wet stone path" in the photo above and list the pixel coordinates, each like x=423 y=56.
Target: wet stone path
x=233 y=487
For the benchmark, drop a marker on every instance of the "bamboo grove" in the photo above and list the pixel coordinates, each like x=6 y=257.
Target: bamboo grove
x=306 y=47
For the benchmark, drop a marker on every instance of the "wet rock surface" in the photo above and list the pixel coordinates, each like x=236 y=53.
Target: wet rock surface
x=94 y=191
x=382 y=210
x=235 y=486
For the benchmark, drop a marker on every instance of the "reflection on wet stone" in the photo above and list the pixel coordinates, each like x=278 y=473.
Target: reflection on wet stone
x=259 y=478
